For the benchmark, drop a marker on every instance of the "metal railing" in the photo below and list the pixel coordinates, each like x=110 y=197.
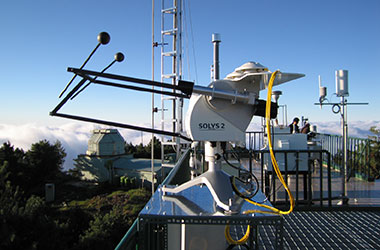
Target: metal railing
x=316 y=180
x=359 y=150
x=255 y=139
x=358 y=155
x=129 y=241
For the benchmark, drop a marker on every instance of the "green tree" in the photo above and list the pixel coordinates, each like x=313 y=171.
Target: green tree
x=16 y=164
x=24 y=222
x=113 y=224
x=31 y=227
x=376 y=132
x=35 y=206
x=27 y=222
x=129 y=148
x=45 y=162
x=10 y=196
x=75 y=173
x=156 y=147
x=110 y=226
x=141 y=152
x=374 y=154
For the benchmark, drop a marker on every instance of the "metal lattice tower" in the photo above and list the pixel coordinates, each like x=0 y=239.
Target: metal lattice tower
x=171 y=70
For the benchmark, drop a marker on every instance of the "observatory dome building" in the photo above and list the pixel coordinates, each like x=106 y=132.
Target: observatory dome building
x=106 y=161
x=106 y=142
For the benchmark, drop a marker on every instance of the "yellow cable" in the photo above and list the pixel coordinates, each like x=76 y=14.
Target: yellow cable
x=273 y=210
x=241 y=241
x=269 y=136
x=273 y=159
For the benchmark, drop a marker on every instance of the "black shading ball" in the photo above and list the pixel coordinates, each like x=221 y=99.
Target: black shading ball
x=104 y=38
x=119 y=57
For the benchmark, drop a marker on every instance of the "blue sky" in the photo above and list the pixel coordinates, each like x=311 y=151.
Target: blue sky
x=40 y=39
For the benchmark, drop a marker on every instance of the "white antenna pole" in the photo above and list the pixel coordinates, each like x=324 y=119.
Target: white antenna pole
x=345 y=153
x=341 y=78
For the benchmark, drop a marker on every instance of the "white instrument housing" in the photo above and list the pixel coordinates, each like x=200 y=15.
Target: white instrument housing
x=223 y=110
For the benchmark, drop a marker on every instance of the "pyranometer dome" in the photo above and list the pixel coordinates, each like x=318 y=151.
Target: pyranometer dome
x=249 y=67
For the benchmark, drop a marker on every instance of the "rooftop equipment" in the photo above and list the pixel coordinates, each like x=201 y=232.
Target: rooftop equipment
x=341 y=82
x=217 y=114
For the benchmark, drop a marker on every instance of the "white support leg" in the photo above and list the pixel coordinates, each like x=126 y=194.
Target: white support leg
x=217 y=181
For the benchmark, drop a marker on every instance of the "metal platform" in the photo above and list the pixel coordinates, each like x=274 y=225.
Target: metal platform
x=174 y=221
x=327 y=230
x=361 y=193
x=338 y=227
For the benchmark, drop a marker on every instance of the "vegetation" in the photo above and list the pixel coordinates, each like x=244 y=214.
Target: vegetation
x=364 y=161
x=374 y=153
x=83 y=215
x=141 y=151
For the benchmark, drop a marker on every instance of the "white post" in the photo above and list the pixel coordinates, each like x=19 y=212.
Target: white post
x=211 y=151
x=345 y=153
x=341 y=78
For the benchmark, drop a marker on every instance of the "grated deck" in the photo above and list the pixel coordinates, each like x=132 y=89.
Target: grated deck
x=327 y=230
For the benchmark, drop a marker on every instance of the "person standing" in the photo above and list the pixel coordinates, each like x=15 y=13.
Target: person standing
x=306 y=128
x=294 y=126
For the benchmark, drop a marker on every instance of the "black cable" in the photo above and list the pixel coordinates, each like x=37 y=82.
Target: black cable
x=256 y=180
x=252 y=175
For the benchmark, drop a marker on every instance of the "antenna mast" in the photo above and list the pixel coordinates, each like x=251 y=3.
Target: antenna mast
x=171 y=71
x=153 y=109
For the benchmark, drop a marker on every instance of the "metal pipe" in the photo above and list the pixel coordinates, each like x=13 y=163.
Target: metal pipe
x=70 y=94
x=329 y=178
x=162 y=80
x=345 y=159
x=84 y=87
x=119 y=57
x=82 y=72
x=81 y=67
x=174 y=70
x=103 y=38
x=118 y=85
x=228 y=95
x=119 y=125
x=152 y=145
x=216 y=41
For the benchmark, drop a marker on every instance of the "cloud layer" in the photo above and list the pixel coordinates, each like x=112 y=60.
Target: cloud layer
x=74 y=136
x=359 y=129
